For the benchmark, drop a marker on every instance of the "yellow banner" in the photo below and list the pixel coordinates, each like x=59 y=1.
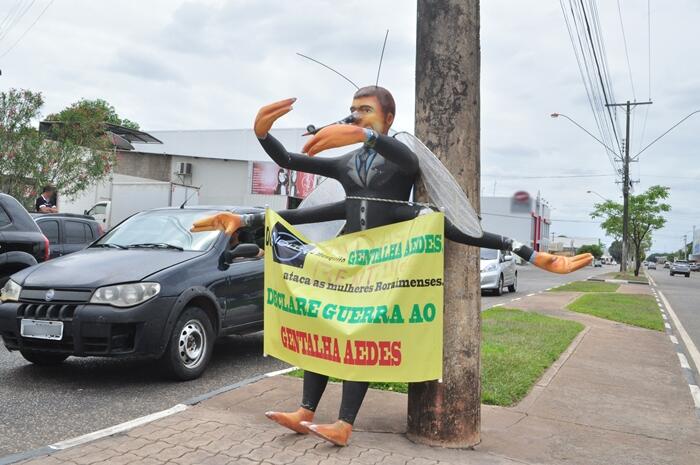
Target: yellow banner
x=366 y=306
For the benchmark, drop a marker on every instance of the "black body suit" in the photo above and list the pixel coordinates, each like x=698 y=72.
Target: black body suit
x=386 y=171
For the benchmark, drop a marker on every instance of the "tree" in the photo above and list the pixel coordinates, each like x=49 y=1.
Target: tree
x=74 y=155
x=593 y=249
x=615 y=250
x=645 y=216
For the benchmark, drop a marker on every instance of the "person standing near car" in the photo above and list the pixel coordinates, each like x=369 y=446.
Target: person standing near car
x=45 y=202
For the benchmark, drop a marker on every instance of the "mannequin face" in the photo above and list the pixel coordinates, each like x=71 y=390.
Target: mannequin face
x=371 y=114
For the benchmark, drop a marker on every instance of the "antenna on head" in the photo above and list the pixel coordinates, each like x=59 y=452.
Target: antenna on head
x=381 y=58
x=326 y=66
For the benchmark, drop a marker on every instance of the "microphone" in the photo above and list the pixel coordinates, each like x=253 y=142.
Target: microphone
x=351 y=118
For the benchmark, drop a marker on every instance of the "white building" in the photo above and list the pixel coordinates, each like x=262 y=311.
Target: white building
x=520 y=217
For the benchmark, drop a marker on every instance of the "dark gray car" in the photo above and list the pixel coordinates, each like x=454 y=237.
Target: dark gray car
x=67 y=233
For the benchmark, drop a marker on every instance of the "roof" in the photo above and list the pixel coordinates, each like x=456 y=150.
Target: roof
x=225 y=144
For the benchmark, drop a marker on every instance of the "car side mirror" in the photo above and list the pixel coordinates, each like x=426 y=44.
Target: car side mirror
x=240 y=251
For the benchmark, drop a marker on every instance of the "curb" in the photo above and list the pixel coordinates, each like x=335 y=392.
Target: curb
x=136 y=422
x=618 y=281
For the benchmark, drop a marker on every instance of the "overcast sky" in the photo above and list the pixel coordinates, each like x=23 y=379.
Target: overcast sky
x=171 y=64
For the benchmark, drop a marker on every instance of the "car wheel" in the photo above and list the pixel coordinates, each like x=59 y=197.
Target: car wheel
x=190 y=346
x=499 y=288
x=687 y=275
x=513 y=287
x=671 y=274
x=43 y=358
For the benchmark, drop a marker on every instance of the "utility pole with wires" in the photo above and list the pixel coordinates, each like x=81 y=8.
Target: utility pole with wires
x=626 y=179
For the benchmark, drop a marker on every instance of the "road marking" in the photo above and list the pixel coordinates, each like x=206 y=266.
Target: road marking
x=695 y=391
x=548 y=289
x=497 y=305
x=280 y=372
x=684 y=361
x=692 y=349
x=516 y=299
x=117 y=428
x=663 y=315
x=674 y=339
x=668 y=326
x=530 y=295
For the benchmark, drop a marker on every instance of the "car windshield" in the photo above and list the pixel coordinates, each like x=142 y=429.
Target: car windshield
x=489 y=254
x=161 y=229
x=681 y=262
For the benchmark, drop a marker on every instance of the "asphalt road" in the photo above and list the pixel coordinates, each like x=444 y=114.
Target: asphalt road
x=684 y=296
x=532 y=280
x=44 y=405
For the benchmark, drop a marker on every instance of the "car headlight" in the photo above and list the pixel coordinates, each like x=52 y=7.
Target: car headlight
x=125 y=295
x=490 y=267
x=10 y=291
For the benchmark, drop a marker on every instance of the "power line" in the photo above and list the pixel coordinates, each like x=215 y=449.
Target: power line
x=10 y=14
x=624 y=39
x=28 y=29
x=600 y=76
x=563 y=176
x=592 y=92
x=16 y=20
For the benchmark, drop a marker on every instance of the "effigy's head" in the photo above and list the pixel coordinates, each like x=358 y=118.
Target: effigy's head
x=375 y=107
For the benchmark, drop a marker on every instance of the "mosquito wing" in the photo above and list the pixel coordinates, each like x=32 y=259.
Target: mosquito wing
x=442 y=188
x=328 y=191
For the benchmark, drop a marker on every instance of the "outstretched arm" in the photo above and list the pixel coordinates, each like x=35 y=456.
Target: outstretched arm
x=230 y=222
x=263 y=123
x=549 y=262
x=340 y=135
x=544 y=260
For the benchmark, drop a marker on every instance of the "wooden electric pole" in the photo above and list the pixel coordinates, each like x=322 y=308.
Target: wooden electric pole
x=447 y=121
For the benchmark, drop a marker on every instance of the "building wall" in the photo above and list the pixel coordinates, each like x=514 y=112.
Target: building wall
x=144 y=165
x=497 y=218
x=223 y=182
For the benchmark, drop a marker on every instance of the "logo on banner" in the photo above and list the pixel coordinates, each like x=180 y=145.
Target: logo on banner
x=287 y=248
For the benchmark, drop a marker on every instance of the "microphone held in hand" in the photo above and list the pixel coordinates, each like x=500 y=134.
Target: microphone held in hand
x=311 y=129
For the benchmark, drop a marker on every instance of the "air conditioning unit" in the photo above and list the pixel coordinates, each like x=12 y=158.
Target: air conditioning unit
x=184 y=169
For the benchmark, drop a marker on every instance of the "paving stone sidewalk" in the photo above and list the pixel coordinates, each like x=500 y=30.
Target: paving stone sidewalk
x=616 y=396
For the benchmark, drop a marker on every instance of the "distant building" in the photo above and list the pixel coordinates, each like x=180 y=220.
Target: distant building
x=520 y=217
x=566 y=245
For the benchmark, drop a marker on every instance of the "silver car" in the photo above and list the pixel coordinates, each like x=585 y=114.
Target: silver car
x=680 y=267
x=498 y=271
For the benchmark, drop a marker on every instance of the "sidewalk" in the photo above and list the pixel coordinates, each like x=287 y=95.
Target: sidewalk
x=617 y=396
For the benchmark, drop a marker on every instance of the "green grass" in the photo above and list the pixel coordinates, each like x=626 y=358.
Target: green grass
x=587 y=286
x=629 y=276
x=516 y=349
x=632 y=309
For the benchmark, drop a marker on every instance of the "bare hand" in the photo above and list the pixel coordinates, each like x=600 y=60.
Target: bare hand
x=335 y=135
x=562 y=265
x=269 y=114
x=225 y=221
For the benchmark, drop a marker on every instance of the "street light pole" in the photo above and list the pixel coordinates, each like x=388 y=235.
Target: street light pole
x=594 y=192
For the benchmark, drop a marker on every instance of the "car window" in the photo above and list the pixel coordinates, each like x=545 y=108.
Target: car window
x=489 y=254
x=75 y=232
x=163 y=227
x=99 y=209
x=50 y=230
x=89 y=236
x=4 y=218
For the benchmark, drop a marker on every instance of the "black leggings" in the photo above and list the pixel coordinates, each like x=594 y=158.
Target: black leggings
x=353 y=395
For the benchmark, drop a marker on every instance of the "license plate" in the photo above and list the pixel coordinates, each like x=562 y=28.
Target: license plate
x=42 y=329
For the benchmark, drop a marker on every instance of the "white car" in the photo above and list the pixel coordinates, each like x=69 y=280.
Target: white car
x=498 y=271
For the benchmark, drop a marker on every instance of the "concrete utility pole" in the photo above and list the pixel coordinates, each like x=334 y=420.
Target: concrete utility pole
x=626 y=181
x=447 y=121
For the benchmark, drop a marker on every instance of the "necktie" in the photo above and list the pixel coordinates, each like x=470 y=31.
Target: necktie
x=363 y=168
